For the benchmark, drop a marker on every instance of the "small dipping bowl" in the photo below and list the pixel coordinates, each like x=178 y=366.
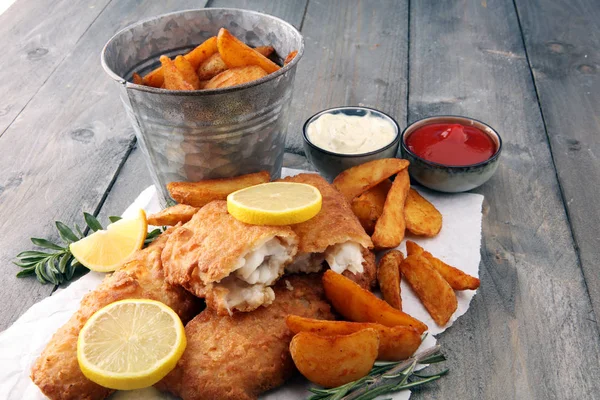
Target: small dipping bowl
x=329 y=163
x=451 y=178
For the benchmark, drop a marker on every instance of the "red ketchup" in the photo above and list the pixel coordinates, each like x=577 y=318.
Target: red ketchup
x=451 y=144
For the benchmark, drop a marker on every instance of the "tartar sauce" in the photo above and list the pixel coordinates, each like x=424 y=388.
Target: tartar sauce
x=350 y=134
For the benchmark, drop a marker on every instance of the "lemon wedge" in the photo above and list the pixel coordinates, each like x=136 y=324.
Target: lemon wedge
x=106 y=250
x=130 y=344
x=275 y=203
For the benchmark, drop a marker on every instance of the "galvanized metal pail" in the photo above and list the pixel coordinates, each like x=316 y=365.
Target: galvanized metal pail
x=205 y=134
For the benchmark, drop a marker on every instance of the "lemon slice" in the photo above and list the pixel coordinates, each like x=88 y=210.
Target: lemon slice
x=130 y=344
x=106 y=250
x=275 y=203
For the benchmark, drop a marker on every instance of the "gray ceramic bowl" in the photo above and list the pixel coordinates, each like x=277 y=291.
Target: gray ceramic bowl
x=330 y=164
x=448 y=178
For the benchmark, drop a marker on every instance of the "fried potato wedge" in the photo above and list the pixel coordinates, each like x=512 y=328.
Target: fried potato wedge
x=431 y=288
x=137 y=79
x=457 y=279
x=388 y=276
x=195 y=57
x=265 y=50
x=291 y=55
x=395 y=343
x=236 y=53
x=360 y=305
x=198 y=194
x=368 y=206
x=236 y=76
x=187 y=71
x=390 y=227
x=421 y=217
x=332 y=361
x=174 y=79
x=211 y=67
x=357 y=180
x=171 y=216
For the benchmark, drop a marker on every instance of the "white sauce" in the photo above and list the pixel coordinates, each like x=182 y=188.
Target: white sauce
x=351 y=134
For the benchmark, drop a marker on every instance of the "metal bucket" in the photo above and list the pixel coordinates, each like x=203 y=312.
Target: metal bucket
x=205 y=134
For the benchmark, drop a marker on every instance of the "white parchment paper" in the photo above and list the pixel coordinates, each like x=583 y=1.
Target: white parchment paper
x=458 y=244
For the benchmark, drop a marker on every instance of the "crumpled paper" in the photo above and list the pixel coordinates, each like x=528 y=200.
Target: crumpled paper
x=458 y=244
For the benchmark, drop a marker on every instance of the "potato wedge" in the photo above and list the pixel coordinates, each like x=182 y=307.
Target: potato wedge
x=211 y=67
x=236 y=53
x=174 y=78
x=357 y=180
x=432 y=289
x=388 y=276
x=265 y=50
x=360 y=305
x=332 y=361
x=421 y=217
x=395 y=343
x=236 y=76
x=187 y=71
x=290 y=57
x=195 y=57
x=457 y=279
x=137 y=79
x=368 y=206
x=198 y=194
x=171 y=216
x=390 y=227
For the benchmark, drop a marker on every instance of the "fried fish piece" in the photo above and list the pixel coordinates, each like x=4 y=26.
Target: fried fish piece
x=56 y=372
x=334 y=235
x=230 y=263
x=241 y=356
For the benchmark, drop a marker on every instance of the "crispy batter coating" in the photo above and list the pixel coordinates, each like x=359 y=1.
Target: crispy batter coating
x=241 y=356
x=56 y=372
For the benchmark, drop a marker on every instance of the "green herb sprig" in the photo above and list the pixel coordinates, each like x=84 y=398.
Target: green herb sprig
x=384 y=378
x=58 y=265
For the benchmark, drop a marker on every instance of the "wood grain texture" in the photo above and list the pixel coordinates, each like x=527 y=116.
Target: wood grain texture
x=36 y=37
x=61 y=154
x=530 y=332
x=356 y=54
x=564 y=54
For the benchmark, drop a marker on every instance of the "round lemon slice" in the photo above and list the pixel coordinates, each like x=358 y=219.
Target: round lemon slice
x=106 y=250
x=130 y=344
x=275 y=203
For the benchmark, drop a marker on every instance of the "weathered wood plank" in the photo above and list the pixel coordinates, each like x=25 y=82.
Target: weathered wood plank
x=290 y=11
x=565 y=59
x=61 y=153
x=529 y=333
x=36 y=37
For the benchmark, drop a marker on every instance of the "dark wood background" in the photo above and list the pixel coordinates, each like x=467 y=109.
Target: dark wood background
x=529 y=68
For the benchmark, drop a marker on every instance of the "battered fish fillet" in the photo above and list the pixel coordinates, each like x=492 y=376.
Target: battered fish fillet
x=56 y=372
x=241 y=356
x=334 y=235
x=230 y=263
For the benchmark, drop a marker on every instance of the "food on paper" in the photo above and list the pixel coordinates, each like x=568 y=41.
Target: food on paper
x=368 y=207
x=390 y=227
x=395 y=343
x=231 y=264
x=130 y=344
x=56 y=371
x=334 y=235
x=106 y=250
x=332 y=361
x=456 y=278
x=351 y=134
x=198 y=194
x=451 y=144
x=360 y=305
x=236 y=76
x=275 y=203
x=388 y=276
x=236 y=53
x=434 y=292
x=357 y=180
x=171 y=216
x=290 y=57
x=241 y=356
x=421 y=217
x=214 y=65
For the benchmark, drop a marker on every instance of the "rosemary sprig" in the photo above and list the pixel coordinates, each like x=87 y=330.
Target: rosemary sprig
x=58 y=265
x=384 y=378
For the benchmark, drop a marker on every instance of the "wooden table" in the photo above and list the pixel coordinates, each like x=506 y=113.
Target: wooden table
x=529 y=68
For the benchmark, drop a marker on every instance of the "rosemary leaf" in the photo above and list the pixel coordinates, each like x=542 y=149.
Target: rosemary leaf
x=66 y=233
x=114 y=219
x=92 y=222
x=31 y=253
x=26 y=272
x=46 y=244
